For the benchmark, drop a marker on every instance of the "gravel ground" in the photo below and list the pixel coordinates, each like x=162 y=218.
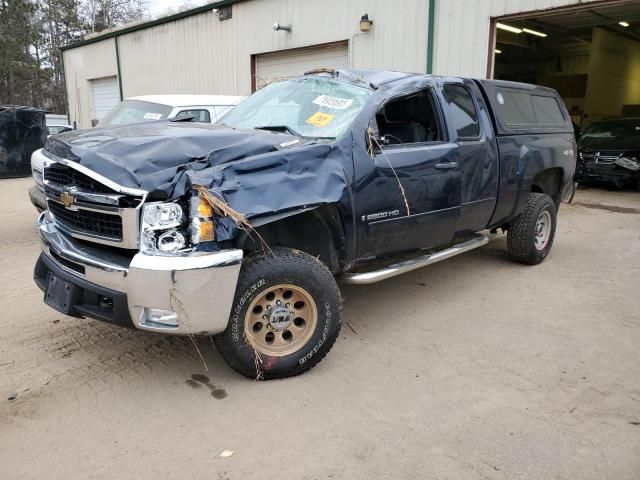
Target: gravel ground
x=472 y=368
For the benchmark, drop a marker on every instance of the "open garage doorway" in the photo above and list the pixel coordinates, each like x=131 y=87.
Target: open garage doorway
x=589 y=53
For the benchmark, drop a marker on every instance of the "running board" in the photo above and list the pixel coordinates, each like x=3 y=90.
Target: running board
x=414 y=263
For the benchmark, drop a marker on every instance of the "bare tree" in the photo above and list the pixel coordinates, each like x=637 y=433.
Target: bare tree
x=104 y=14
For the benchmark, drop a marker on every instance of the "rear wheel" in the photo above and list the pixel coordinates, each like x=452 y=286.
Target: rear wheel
x=531 y=234
x=285 y=318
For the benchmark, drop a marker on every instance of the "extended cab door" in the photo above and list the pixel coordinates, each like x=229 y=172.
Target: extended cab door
x=469 y=126
x=411 y=198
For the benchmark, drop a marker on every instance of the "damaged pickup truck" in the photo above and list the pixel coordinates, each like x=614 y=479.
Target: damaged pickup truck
x=243 y=230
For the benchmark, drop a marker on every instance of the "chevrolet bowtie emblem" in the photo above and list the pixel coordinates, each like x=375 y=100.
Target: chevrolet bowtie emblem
x=67 y=199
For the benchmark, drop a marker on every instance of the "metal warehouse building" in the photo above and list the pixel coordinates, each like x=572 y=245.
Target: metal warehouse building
x=588 y=50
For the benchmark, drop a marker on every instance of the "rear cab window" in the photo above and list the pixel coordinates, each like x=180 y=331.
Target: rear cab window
x=524 y=109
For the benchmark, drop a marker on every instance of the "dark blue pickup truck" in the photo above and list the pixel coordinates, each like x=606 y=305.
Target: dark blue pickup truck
x=243 y=230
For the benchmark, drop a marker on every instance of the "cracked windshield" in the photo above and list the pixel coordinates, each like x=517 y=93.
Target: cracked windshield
x=311 y=107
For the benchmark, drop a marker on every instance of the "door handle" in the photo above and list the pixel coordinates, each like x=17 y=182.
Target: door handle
x=446 y=165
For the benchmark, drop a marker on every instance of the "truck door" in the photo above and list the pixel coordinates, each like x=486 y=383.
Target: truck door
x=469 y=125
x=411 y=197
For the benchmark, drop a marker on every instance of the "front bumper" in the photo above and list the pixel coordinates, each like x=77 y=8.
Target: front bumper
x=198 y=287
x=38 y=200
x=591 y=171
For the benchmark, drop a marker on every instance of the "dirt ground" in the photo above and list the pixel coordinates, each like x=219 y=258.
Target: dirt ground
x=472 y=368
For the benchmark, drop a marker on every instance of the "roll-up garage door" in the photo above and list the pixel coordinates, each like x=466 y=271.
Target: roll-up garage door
x=106 y=95
x=276 y=66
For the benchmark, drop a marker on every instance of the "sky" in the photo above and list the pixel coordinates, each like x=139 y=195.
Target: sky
x=158 y=8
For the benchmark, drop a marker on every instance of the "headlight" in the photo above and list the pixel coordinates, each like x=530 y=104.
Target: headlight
x=165 y=227
x=158 y=216
x=171 y=241
x=160 y=228
x=628 y=163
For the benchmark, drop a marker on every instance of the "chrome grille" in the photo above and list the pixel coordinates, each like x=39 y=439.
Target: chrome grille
x=601 y=157
x=63 y=175
x=91 y=207
x=88 y=222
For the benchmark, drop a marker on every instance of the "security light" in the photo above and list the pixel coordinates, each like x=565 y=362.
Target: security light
x=624 y=24
x=365 y=23
x=277 y=26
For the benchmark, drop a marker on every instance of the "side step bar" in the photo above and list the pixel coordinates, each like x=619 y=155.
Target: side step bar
x=414 y=263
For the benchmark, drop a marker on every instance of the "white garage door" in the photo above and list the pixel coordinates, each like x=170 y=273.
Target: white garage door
x=106 y=95
x=271 y=67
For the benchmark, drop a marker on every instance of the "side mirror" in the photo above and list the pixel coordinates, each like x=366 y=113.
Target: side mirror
x=375 y=141
x=94 y=122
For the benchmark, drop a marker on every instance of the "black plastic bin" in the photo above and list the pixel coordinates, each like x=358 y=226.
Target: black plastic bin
x=23 y=130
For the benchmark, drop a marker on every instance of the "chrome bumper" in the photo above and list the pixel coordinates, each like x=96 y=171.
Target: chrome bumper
x=198 y=287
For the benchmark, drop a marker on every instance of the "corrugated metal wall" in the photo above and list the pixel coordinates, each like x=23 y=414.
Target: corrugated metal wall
x=82 y=65
x=202 y=55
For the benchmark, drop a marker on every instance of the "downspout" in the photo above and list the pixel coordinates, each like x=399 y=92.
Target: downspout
x=66 y=93
x=118 y=65
x=430 y=30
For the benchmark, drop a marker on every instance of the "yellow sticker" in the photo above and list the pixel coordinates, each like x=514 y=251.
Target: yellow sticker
x=319 y=119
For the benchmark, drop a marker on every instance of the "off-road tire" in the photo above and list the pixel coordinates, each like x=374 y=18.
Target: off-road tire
x=259 y=272
x=522 y=230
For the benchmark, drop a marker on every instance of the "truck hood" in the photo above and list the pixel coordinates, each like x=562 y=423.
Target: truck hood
x=257 y=173
x=151 y=154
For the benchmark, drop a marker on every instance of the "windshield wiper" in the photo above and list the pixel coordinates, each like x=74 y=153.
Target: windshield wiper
x=184 y=118
x=279 y=128
x=287 y=129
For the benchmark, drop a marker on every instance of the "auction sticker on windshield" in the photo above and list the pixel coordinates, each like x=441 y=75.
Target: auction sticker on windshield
x=152 y=116
x=319 y=119
x=334 y=103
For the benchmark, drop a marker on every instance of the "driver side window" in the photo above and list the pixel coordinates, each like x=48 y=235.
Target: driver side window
x=410 y=119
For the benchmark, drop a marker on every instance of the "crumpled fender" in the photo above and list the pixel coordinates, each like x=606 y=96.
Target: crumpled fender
x=275 y=182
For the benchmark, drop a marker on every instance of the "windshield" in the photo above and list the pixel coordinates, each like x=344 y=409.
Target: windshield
x=134 y=111
x=313 y=106
x=619 y=129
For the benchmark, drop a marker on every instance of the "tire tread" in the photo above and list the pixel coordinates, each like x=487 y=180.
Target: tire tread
x=520 y=236
x=263 y=262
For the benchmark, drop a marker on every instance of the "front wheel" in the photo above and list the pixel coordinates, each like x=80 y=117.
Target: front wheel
x=285 y=317
x=530 y=235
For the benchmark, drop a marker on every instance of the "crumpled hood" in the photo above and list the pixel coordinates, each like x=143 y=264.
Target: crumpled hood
x=149 y=155
x=257 y=173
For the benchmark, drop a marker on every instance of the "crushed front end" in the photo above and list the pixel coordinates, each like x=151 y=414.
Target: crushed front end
x=110 y=254
x=619 y=168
